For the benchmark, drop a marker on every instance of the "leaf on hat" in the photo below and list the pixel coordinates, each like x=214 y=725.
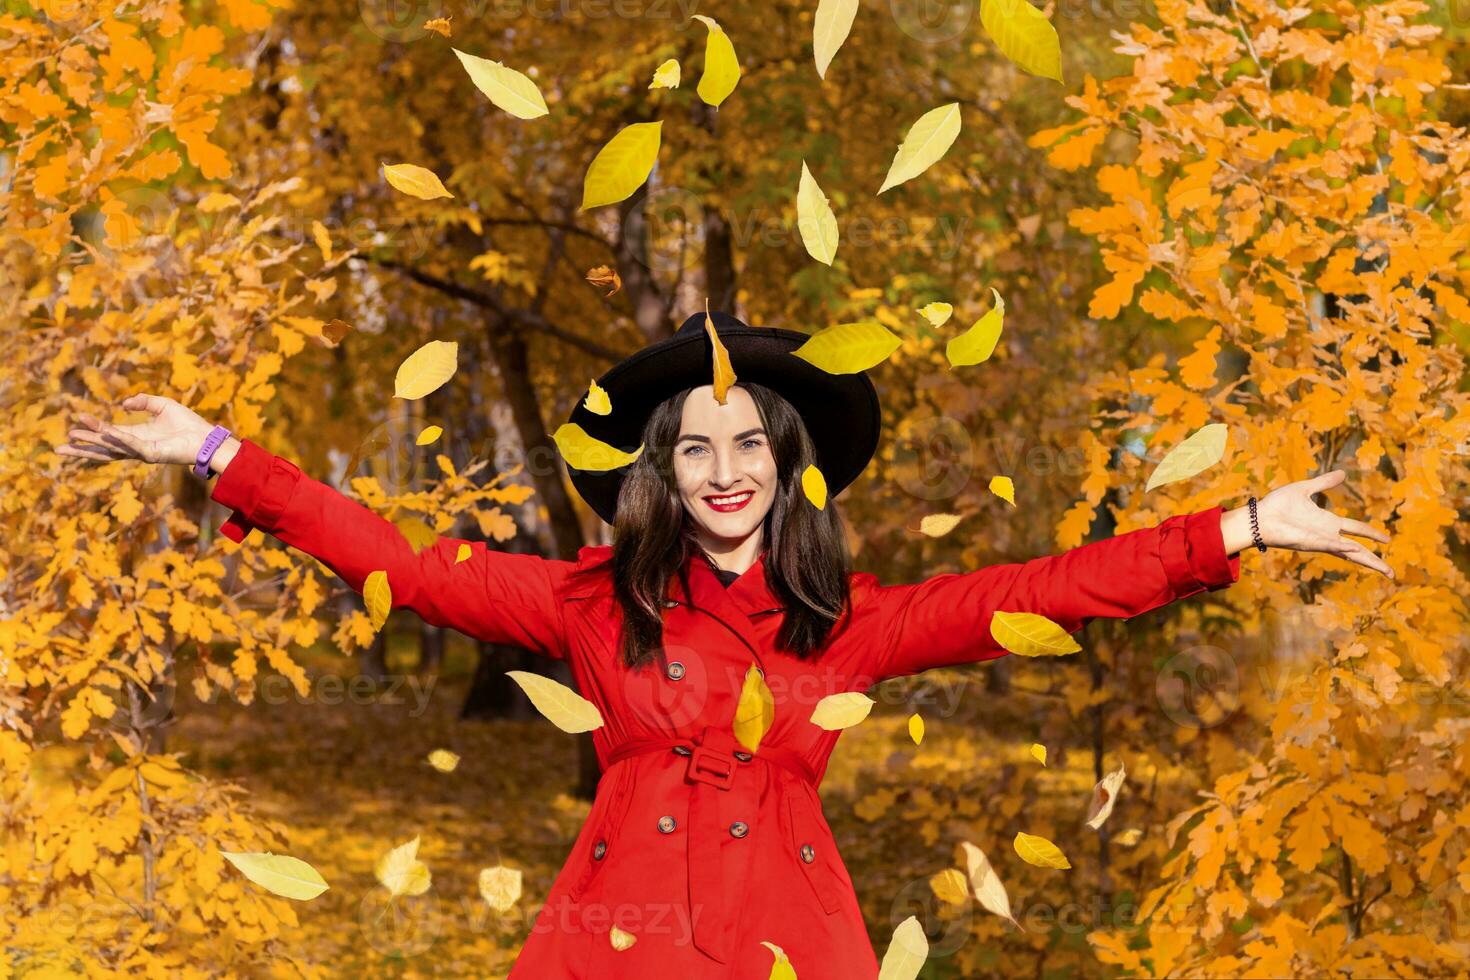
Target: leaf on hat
x=582 y=452
x=978 y=343
x=507 y=88
x=847 y=348
x=755 y=711
x=1197 y=453
x=415 y=181
x=426 y=369
x=1031 y=635
x=814 y=485
x=562 y=706
x=666 y=75
x=830 y=28
x=927 y=140
x=597 y=401
x=814 y=218
x=622 y=165
x=721 y=67
x=724 y=371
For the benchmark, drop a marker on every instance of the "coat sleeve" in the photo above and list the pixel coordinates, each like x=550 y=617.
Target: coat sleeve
x=494 y=596
x=945 y=620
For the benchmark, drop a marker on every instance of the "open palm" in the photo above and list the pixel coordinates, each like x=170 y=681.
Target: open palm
x=173 y=434
x=1291 y=519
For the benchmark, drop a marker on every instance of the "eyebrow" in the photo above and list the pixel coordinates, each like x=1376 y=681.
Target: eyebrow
x=738 y=435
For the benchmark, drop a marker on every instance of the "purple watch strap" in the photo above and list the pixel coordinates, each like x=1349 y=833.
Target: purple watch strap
x=213 y=441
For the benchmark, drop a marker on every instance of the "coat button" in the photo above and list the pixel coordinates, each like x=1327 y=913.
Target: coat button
x=599 y=850
x=683 y=750
x=666 y=825
x=808 y=853
x=743 y=756
x=675 y=670
x=739 y=828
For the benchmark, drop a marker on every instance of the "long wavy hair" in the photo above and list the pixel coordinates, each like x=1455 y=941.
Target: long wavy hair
x=807 y=561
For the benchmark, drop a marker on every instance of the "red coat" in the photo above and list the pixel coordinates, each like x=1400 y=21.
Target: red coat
x=694 y=847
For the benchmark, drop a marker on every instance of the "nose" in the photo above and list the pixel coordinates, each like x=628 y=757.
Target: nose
x=727 y=468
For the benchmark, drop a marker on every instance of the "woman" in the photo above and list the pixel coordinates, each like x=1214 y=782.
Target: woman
x=699 y=849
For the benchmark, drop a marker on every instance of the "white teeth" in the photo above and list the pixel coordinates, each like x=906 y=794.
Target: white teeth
x=721 y=501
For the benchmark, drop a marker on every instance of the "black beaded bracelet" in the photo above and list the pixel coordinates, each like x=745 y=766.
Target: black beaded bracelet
x=1255 y=526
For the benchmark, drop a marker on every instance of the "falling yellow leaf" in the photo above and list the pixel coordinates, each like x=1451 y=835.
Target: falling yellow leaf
x=1031 y=635
x=1038 y=752
x=507 y=88
x=462 y=554
x=815 y=221
x=443 y=760
x=401 y=872
x=597 y=400
x=1104 y=795
x=500 y=887
x=377 y=595
x=620 y=939
x=838 y=711
x=906 y=953
x=439 y=25
x=723 y=370
x=336 y=331
x=666 y=75
x=1024 y=35
x=916 y=728
x=428 y=435
x=814 y=485
x=846 y=348
x=622 y=165
x=721 y=67
x=936 y=313
x=987 y=886
x=830 y=28
x=938 y=525
x=279 y=874
x=978 y=343
x=426 y=369
x=559 y=704
x=755 y=711
x=582 y=452
x=322 y=239
x=1130 y=837
x=949 y=887
x=418 y=534
x=928 y=139
x=1194 y=455
x=781 y=968
x=605 y=275
x=1003 y=488
x=415 y=181
x=1039 y=851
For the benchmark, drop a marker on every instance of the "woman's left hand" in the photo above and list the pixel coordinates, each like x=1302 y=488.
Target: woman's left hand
x=1287 y=518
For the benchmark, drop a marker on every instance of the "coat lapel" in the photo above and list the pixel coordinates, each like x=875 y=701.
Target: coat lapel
x=732 y=605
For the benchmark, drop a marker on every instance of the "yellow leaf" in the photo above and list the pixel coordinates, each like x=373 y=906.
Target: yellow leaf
x=500 y=887
x=666 y=75
x=1039 y=851
x=620 y=939
x=426 y=369
x=975 y=345
x=781 y=968
x=723 y=370
x=418 y=534
x=906 y=953
x=1031 y=635
x=1104 y=795
x=916 y=728
x=605 y=275
x=949 y=887
x=279 y=874
x=401 y=872
x=986 y=884
x=1003 y=488
x=846 y=348
x=814 y=485
x=322 y=239
x=415 y=181
x=755 y=711
x=439 y=25
x=1199 y=452
x=1130 y=837
x=159 y=776
x=462 y=554
x=216 y=201
x=1038 y=752
x=559 y=704
x=938 y=525
x=829 y=29
x=582 y=452
x=927 y=140
x=936 y=313
x=507 y=88
x=377 y=595
x=622 y=166
x=428 y=435
x=838 y=711
x=721 y=68
x=1024 y=35
x=443 y=760
x=125 y=504
x=814 y=218
x=597 y=400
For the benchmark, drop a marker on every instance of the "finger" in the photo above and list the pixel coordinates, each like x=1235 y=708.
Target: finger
x=1362 y=556
x=1350 y=526
x=83 y=452
x=1326 y=481
x=103 y=441
x=152 y=404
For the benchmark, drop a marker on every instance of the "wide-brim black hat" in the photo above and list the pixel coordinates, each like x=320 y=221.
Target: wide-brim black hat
x=840 y=411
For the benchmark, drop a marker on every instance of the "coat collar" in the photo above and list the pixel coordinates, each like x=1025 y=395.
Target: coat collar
x=749 y=594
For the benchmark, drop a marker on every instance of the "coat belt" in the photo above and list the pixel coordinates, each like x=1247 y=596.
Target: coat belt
x=713 y=766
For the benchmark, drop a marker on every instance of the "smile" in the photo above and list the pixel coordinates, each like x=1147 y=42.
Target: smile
x=733 y=502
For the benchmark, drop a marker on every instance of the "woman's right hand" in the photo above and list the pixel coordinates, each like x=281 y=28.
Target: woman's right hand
x=173 y=435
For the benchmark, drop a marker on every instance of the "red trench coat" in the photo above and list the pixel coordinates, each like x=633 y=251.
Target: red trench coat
x=692 y=845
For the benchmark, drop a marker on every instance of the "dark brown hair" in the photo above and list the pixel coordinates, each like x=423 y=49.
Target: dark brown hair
x=807 y=561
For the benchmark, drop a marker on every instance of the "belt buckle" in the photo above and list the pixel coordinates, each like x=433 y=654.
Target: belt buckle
x=709 y=766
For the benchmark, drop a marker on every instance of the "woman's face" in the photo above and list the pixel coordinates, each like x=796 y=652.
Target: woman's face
x=723 y=465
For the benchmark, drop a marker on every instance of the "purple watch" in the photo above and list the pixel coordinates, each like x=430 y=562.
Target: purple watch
x=213 y=441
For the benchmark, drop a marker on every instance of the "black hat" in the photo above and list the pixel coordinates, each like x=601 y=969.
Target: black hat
x=841 y=411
